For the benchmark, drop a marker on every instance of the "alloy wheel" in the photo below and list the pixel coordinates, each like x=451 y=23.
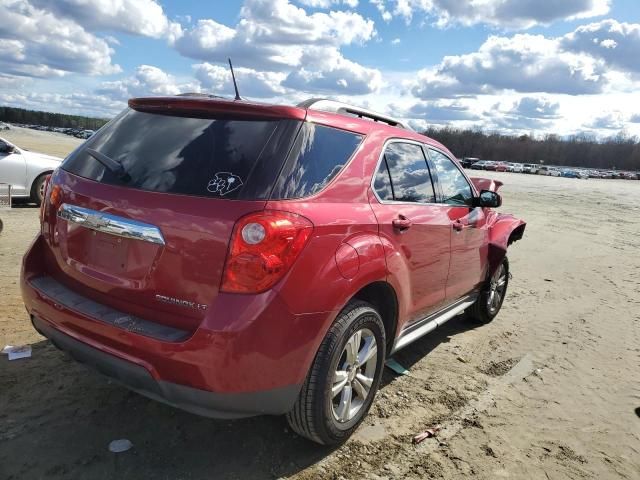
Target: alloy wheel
x=496 y=289
x=354 y=375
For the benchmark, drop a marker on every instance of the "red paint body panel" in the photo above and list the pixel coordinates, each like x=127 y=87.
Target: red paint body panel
x=256 y=342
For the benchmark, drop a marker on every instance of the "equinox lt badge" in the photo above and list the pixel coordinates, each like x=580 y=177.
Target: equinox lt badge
x=180 y=303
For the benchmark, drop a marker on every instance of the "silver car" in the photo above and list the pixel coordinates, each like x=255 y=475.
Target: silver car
x=25 y=171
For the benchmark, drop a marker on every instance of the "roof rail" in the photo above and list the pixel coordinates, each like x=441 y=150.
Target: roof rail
x=333 y=106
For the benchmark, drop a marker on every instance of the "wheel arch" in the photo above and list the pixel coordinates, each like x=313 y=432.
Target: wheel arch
x=383 y=297
x=504 y=231
x=35 y=178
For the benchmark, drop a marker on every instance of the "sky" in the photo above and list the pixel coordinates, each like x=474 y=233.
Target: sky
x=536 y=67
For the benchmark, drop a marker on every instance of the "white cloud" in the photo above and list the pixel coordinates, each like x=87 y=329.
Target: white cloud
x=147 y=80
x=439 y=112
x=618 y=44
x=516 y=14
x=524 y=114
x=139 y=17
x=534 y=107
x=35 y=43
x=76 y=104
x=251 y=83
x=334 y=74
x=607 y=121
x=275 y=35
x=524 y=63
x=381 y=6
x=395 y=41
x=328 y=3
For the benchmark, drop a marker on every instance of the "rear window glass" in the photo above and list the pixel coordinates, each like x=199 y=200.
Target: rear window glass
x=317 y=156
x=222 y=158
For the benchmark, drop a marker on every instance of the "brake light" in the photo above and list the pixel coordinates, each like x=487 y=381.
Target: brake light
x=51 y=196
x=263 y=247
x=45 y=192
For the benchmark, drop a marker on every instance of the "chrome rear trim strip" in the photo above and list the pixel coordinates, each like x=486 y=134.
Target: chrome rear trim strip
x=420 y=328
x=111 y=224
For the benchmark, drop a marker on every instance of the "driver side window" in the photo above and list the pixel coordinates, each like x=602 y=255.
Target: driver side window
x=455 y=188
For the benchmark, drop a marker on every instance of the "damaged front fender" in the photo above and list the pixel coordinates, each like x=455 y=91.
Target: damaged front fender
x=504 y=229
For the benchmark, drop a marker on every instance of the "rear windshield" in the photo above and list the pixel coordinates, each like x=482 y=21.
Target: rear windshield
x=222 y=158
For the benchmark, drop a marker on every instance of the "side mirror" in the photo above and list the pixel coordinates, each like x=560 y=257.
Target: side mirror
x=489 y=199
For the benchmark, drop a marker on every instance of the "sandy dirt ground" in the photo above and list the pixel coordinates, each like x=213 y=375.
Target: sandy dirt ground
x=57 y=144
x=549 y=390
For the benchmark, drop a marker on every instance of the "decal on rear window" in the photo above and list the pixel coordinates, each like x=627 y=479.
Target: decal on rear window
x=223 y=183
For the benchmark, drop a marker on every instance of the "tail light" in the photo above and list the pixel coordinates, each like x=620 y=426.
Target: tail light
x=50 y=196
x=45 y=192
x=263 y=247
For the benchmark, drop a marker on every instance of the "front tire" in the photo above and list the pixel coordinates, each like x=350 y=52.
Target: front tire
x=490 y=299
x=344 y=377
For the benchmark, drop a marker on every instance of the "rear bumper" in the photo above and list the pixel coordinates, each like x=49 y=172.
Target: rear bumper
x=194 y=400
x=249 y=356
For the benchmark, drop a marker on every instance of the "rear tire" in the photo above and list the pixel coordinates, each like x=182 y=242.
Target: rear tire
x=490 y=299
x=344 y=377
x=37 y=189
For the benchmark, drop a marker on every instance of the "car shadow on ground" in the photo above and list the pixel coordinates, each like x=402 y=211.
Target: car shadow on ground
x=57 y=419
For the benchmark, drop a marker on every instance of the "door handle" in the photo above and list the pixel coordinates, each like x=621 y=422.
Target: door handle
x=402 y=223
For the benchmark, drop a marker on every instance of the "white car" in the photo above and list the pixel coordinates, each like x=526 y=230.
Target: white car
x=25 y=171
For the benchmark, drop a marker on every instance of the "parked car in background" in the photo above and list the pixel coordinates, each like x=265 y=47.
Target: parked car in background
x=500 y=167
x=490 y=165
x=179 y=244
x=25 y=171
x=479 y=165
x=517 y=168
x=467 y=162
x=543 y=170
x=530 y=168
x=554 y=172
x=569 y=173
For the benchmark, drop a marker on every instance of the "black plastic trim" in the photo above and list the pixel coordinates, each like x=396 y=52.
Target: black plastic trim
x=277 y=401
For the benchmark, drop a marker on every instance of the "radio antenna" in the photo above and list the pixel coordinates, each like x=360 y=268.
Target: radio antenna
x=235 y=85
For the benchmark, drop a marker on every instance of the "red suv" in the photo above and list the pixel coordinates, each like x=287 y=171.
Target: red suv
x=235 y=259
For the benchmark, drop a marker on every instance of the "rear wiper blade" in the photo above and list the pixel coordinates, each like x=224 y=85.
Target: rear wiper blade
x=116 y=167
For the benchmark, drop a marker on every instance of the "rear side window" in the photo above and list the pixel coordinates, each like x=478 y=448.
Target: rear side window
x=403 y=175
x=317 y=156
x=222 y=158
x=455 y=188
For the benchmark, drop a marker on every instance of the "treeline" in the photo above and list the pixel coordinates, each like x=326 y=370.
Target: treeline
x=48 y=119
x=621 y=152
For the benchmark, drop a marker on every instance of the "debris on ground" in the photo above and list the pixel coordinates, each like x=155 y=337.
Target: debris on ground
x=396 y=367
x=121 y=445
x=428 y=433
x=17 y=352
